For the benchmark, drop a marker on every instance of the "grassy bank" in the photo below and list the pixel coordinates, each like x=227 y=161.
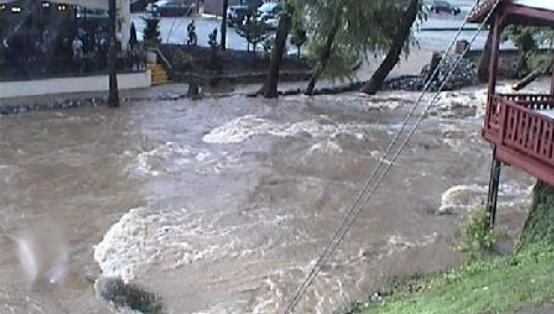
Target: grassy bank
x=495 y=285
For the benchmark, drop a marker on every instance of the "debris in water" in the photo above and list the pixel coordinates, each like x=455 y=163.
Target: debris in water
x=128 y=296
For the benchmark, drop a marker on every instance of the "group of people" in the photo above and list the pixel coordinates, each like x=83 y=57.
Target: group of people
x=89 y=50
x=31 y=52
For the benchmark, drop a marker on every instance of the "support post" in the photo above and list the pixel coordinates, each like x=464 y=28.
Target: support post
x=495 y=51
x=552 y=80
x=113 y=93
x=494 y=186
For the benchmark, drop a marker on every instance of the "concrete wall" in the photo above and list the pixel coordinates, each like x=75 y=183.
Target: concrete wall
x=72 y=85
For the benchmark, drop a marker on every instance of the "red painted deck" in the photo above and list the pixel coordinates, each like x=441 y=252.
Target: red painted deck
x=523 y=137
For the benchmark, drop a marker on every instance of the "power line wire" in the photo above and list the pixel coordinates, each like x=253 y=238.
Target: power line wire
x=364 y=197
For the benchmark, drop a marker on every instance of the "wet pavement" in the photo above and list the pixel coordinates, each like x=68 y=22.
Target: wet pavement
x=222 y=205
x=434 y=33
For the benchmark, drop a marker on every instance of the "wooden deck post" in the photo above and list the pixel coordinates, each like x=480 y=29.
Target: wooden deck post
x=494 y=186
x=552 y=80
x=495 y=52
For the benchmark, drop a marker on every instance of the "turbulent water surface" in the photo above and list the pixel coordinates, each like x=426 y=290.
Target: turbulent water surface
x=222 y=206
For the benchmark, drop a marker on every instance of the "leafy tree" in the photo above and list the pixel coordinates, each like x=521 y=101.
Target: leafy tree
x=399 y=41
x=212 y=41
x=299 y=38
x=529 y=41
x=152 y=31
x=344 y=32
x=253 y=31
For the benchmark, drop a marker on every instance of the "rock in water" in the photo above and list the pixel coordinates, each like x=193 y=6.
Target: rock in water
x=125 y=296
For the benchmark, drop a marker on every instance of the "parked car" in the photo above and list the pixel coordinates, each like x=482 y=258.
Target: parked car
x=172 y=8
x=236 y=14
x=269 y=13
x=139 y=5
x=444 y=6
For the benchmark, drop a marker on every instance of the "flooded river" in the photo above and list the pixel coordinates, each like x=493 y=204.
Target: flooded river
x=223 y=205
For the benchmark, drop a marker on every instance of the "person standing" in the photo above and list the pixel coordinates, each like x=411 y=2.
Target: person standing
x=77 y=52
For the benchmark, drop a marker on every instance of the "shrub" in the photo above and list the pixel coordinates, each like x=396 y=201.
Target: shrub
x=478 y=237
x=181 y=60
x=152 y=31
x=254 y=31
x=298 y=39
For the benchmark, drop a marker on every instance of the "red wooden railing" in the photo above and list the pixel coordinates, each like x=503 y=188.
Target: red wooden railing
x=513 y=122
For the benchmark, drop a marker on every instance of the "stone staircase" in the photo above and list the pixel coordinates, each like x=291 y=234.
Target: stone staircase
x=159 y=75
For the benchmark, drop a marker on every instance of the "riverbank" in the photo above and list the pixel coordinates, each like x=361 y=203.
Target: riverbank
x=522 y=282
x=500 y=285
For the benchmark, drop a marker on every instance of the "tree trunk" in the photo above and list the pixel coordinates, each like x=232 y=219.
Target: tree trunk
x=113 y=94
x=224 y=25
x=484 y=61
x=393 y=55
x=272 y=80
x=324 y=58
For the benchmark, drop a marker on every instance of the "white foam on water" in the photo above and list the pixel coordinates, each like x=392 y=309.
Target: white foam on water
x=170 y=157
x=245 y=127
x=172 y=238
x=145 y=236
x=460 y=198
x=327 y=148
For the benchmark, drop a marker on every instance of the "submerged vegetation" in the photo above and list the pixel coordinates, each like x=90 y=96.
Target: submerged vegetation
x=129 y=296
x=478 y=238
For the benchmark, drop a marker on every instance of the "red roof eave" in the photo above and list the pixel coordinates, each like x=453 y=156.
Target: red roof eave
x=514 y=13
x=481 y=11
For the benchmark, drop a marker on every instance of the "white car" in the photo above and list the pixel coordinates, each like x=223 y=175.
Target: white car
x=269 y=13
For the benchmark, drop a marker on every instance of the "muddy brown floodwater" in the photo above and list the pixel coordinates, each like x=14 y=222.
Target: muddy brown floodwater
x=222 y=205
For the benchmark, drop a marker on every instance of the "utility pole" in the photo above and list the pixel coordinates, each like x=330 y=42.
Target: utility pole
x=113 y=94
x=224 y=25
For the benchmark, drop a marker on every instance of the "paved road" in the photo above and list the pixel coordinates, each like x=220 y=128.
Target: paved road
x=173 y=30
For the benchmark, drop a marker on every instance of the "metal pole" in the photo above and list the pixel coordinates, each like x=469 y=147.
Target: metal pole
x=494 y=186
x=113 y=96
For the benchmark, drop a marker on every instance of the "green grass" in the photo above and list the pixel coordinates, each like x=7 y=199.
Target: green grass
x=498 y=285
x=539 y=226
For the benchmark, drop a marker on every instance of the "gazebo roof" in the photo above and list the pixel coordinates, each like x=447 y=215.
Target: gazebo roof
x=529 y=12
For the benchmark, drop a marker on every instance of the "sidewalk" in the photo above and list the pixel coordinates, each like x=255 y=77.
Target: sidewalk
x=63 y=101
x=407 y=66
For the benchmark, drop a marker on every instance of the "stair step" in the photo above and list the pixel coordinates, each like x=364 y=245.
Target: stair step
x=159 y=75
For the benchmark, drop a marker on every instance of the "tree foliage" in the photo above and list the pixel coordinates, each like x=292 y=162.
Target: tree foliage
x=365 y=28
x=254 y=31
x=299 y=37
x=152 y=31
x=529 y=41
